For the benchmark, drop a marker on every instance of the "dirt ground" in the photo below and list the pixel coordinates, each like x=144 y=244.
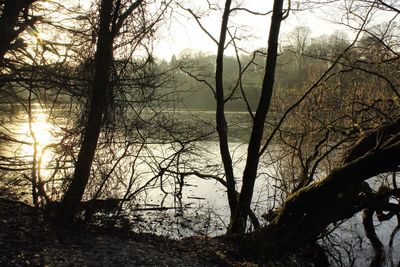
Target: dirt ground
x=28 y=240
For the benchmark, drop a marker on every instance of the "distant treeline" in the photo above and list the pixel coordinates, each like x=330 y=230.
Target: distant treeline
x=301 y=59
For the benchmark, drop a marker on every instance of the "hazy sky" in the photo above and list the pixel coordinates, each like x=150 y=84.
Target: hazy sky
x=182 y=32
x=179 y=31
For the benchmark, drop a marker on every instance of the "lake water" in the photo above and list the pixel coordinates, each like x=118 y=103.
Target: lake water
x=202 y=207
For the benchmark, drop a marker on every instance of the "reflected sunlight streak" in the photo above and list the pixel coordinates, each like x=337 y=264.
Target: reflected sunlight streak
x=41 y=135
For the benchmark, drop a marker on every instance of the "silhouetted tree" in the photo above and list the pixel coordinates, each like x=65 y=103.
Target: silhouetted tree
x=15 y=18
x=111 y=20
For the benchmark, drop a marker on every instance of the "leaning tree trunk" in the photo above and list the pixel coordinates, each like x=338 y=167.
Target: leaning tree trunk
x=98 y=102
x=308 y=212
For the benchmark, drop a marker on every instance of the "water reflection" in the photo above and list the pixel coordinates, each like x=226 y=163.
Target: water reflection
x=27 y=139
x=202 y=201
x=203 y=208
x=38 y=136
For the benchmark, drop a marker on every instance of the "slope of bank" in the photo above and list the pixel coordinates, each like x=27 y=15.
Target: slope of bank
x=27 y=240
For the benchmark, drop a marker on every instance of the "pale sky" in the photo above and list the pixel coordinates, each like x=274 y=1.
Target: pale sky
x=177 y=36
x=180 y=31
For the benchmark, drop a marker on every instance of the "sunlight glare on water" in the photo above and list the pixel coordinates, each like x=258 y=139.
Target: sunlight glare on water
x=41 y=129
x=40 y=133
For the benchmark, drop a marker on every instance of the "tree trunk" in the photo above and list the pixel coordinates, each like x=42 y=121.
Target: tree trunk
x=98 y=102
x=369 y=228
x=238 y=224
x=222 y=128
x=307 y=212
x=10 y=25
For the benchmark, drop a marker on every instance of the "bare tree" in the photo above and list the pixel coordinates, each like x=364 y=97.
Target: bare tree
x=15 y=18
x=314 y=203
x=111 y=18
x=298 y=42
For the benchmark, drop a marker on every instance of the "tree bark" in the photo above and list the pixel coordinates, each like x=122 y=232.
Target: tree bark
x=10 y=25
x=222 y=128
x=307 y=212
x=369 y=228
x=98 y=102
x=238 y=224
x=111 y=21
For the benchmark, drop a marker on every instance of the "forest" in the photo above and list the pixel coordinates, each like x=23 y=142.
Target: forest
x=285 y=154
